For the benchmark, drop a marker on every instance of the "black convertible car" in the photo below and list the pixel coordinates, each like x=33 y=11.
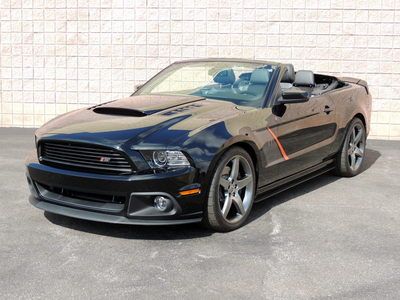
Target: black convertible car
x=200 y=142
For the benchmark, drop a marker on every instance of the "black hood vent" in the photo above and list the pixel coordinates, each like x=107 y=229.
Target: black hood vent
x=119 y=111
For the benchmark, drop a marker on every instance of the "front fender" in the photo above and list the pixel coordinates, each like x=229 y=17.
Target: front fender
x=207 y=146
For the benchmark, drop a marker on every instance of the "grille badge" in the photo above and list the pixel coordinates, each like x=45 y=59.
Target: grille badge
x=105 y=159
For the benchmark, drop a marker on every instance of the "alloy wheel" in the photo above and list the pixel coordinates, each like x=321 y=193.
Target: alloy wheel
x=356 y=147
x=236 y=189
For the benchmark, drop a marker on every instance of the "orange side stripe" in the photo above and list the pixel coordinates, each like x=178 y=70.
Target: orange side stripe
x=283 y=152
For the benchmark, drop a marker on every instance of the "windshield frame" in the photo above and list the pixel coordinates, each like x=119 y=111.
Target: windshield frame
x=179 y=64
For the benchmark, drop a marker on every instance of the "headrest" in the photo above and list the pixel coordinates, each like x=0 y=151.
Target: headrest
x=289 y=74
x=304 y=78
x=226 y=76
x=245 y=76
x=259 y=76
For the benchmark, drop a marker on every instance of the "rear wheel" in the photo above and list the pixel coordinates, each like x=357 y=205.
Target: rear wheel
x=351 y=156
x=232 y=191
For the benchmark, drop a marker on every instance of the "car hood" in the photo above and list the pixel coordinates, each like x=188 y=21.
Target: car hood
x=158 y=120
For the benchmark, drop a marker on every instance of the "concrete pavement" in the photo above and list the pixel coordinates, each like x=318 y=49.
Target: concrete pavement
x=328 y=238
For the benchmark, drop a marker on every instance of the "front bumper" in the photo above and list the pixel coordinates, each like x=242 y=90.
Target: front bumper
x=77 y=194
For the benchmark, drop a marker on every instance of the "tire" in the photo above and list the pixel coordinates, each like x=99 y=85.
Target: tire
x=232 y=191
x=350 y=157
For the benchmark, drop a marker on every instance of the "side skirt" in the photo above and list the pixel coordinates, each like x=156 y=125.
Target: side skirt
x=288 y=182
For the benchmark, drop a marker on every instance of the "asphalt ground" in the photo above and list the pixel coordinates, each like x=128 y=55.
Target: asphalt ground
x=328 y=238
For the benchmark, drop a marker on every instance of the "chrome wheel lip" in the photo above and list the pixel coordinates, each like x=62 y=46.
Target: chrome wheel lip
x=237 y=189
x=356 y=147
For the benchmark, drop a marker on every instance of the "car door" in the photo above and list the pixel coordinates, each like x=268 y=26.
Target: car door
x=303 y=134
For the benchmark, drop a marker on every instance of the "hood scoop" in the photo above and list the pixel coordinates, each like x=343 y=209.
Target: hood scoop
x=119 y=111
x=140 y=106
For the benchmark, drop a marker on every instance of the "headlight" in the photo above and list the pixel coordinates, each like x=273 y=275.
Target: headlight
x=165 y=159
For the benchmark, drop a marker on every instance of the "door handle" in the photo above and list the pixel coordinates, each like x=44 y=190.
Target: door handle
x=327 y=109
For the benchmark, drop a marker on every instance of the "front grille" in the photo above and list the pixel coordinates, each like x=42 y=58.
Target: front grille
x=84 y=157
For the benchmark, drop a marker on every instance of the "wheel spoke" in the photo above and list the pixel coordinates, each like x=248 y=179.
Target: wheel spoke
x=353 y=135
x=224 y=183
x=358 y=137
x=353 y=160
x=359 y=152
x=238 y=202
x=244 y=182
x=235 y=168
x=227 y=206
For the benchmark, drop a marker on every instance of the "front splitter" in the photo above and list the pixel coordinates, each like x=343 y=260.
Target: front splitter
x=101 y=217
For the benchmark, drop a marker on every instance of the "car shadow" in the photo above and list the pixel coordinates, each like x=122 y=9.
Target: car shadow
x=166 y=232
x=371 y=156
x=190 y=231
x=262 y=207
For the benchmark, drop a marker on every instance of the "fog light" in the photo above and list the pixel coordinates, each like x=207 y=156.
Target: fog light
x=162 y=203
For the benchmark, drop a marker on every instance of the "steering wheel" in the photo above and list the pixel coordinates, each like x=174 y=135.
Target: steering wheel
x=240 y=86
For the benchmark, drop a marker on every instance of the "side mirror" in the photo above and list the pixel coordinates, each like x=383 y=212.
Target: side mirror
x=294 y=95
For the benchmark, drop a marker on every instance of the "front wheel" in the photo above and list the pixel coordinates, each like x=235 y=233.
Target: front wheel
x=351 y=156
x=232 y=191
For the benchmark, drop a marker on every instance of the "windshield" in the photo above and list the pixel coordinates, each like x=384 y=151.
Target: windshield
x=242 y=83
